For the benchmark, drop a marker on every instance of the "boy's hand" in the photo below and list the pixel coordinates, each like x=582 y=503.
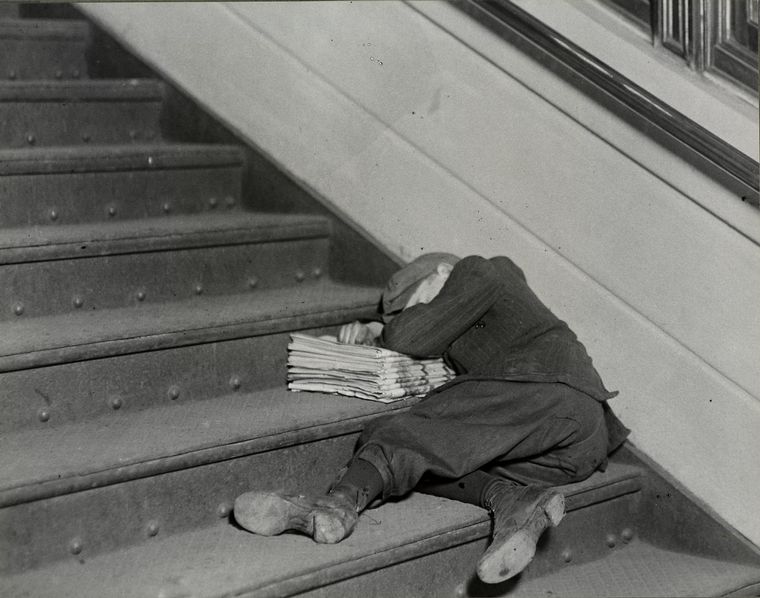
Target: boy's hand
x=357 y=333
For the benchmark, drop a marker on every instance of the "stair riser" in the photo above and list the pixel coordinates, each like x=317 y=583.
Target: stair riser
x=106 y=518
x=450 y=570
x=116 y=386
x=9 y=10
x=28 y=59
x=55 y=287
x=106 y=196
x=61 y=122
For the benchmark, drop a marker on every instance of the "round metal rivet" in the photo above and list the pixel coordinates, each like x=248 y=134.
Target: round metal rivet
x=229 y=200
x=212 y=202
x=86 y=137
x=611 y=540
x=53 y=215
x=317 y=272
x=173 y=393
x=224 y=509
x=460 y=591
x=198 y=289
x=18 y=309
x=133 y=134
x=115 y=403
x=43 y=414
x=152 y=528
x=59 y=74
x=111 y=211
x=30 y=138
x=252 y=282
x=567 y=555
x=300 y=276
x=75 y=546
x=235 y=382
x=150 y=160
x=11 y=74
x=78 y=302
x=627 y=534
x=166 y=207
x=141 y=295
x=75 y=73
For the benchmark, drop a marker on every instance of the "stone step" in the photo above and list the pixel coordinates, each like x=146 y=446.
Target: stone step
x=178 y=465
x=86 y=334
x=72 y=268
x=419 y=546
x=45 y=113
x=67 y=185
x=42 y=49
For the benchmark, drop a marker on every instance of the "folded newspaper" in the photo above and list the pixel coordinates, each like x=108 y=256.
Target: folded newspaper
x=322 y=364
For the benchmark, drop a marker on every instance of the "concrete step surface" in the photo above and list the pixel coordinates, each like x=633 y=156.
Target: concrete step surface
x=36 y=342
x=55 y=113
x=121 y=264
x=33 y=49
x=421 y=546
x=104 y=183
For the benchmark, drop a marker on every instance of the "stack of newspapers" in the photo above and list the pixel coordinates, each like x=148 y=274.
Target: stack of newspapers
x=322 y=364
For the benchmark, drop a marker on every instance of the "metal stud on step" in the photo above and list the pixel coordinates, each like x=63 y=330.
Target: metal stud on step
x=115 y=403
x=317 y=272
x=611 y=540
x=235 y=382
x=18 y=309
x=166 y=207
x=43 y=414
x=12 y=74
x=300 y=275
x=567 y=555
x=31 y=139
x=132 y=134
x=212 y=202
x=173 y=393
x=77 y=301
x=59 y=74
x=152 y=528
x=140 y=295
x=252 y=282
x=76 y=73
x=224 y=510
x=198 y=289
x=230 y=201
x=53 y=214
x=86 y=137
x=627 y=535
x=111 y=211
x=76 y=545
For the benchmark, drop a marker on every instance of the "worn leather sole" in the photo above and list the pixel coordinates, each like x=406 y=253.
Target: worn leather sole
x=324 y=518
x=511 y=555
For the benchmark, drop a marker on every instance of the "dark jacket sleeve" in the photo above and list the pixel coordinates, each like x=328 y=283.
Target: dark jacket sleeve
x=427 y=330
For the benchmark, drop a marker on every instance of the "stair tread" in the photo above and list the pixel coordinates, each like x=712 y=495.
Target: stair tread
x=32 y=342
x=224 y=560
x=43 y=28
x=35 y=243
x=88 y=158
x=81 y=90
x=49 y=461
x=641 y=569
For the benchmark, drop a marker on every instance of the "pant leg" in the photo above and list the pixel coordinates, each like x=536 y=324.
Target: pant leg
x=473 y=424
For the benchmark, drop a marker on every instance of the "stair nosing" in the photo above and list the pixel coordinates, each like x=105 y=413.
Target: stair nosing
x=114 y=158
x=48 y=29
x=154 y=234
x=84 y=90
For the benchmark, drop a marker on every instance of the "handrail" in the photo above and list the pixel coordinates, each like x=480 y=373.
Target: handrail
x=668 y=126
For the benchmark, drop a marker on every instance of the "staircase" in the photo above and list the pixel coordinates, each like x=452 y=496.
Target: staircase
x=147 y=290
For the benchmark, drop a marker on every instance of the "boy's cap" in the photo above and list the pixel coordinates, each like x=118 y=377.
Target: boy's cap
x=402 y=284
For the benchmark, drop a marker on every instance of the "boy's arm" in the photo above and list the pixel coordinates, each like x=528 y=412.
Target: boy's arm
x=427 y=330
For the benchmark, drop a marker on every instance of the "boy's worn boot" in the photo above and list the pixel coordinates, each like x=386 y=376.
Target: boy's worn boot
x=520 y=516
x=327 y=518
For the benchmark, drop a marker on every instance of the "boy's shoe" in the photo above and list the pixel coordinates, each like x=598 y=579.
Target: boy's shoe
x=520 y=515
x=327 y=518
